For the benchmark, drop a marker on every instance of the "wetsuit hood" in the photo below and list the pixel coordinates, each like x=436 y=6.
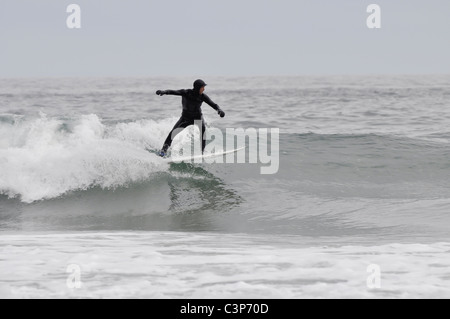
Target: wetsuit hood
x=198 y=84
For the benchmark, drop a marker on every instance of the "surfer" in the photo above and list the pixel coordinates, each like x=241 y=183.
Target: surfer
x=192 y=100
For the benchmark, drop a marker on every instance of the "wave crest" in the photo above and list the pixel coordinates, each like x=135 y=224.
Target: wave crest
x=44 y=158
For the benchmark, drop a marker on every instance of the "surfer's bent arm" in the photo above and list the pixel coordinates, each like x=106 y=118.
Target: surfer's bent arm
x=215 y=106
x=208 y=101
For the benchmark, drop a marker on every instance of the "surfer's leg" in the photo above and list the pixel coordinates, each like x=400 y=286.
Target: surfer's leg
x=202 y=127
x=179 y=126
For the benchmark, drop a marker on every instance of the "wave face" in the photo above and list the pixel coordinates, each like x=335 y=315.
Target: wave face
x=44 y=158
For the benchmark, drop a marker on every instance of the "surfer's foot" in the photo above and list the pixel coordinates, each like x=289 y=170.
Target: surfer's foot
x=162 y=153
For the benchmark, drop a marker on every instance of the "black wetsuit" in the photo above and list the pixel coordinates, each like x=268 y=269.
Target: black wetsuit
x=192 y=114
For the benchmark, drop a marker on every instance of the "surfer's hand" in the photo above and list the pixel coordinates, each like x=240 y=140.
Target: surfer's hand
x=221 y=113
x=160 y=93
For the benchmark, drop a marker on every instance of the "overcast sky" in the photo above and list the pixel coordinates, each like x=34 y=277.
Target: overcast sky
x=223 y=37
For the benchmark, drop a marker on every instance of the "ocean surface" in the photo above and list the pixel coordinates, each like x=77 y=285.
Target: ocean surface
x=363 y=183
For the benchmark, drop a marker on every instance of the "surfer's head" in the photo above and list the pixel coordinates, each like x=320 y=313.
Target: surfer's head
x=199 y=86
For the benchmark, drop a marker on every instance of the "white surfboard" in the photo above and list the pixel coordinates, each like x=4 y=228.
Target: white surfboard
x=190 y=159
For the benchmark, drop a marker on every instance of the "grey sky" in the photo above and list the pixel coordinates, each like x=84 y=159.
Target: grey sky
x=226 y=37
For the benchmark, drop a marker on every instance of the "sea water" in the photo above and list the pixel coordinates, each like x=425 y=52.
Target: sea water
x=359 y=207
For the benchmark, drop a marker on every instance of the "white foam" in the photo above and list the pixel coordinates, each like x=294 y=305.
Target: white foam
x=43 y=158
x=187 y=265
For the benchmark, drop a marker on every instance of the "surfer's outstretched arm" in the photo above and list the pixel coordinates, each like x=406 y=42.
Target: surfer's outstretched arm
x=171 y=92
